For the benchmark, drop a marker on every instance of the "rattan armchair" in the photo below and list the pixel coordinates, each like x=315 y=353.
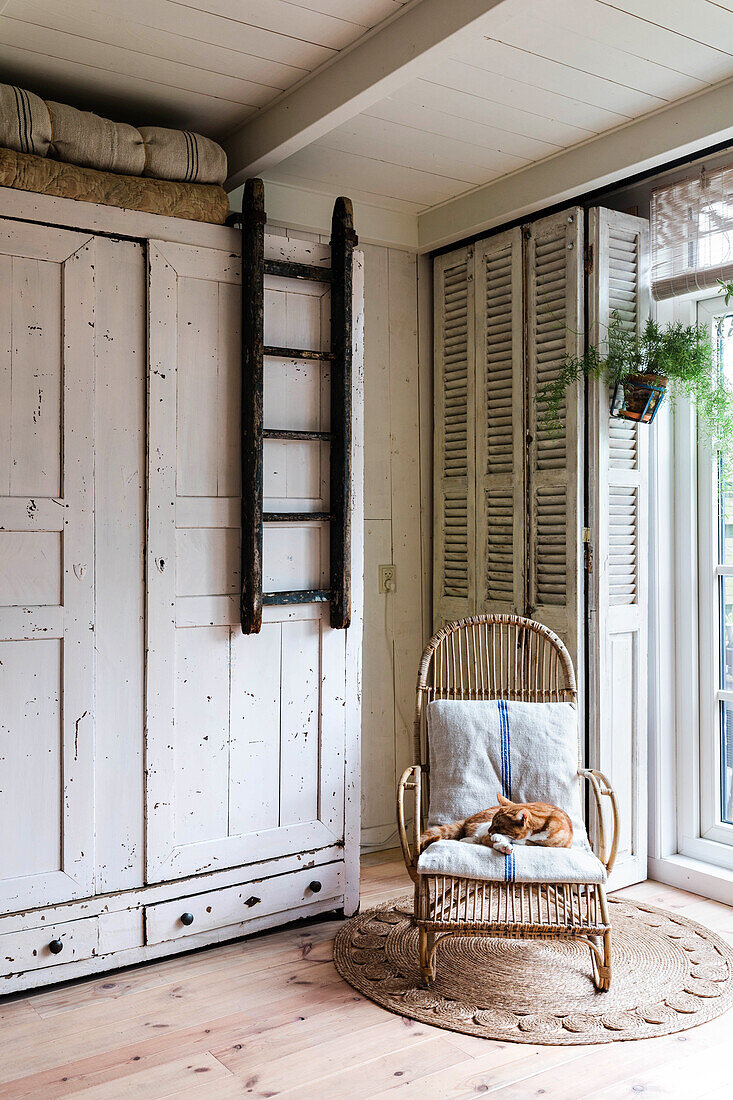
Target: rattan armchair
x=500 y=657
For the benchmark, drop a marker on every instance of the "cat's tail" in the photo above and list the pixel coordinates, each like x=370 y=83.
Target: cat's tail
x=454 y=831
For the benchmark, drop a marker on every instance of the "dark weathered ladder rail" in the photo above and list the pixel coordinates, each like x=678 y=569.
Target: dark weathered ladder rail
x=253 y=321
x=254 y=352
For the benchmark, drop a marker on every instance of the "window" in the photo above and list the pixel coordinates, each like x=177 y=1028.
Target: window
x=715 y=563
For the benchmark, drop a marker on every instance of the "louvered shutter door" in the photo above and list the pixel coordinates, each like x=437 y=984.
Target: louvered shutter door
x=454 y=459
x=618 y=510
x=554 y=281
x=499 y=425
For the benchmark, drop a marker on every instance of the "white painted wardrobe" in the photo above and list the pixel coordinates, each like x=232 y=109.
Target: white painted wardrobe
x=165 y=782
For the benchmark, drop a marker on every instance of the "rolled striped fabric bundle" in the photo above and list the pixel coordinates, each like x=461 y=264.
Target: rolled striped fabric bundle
x=30 y=125
x=80 y=137
x=182 y=155
x=25 y=122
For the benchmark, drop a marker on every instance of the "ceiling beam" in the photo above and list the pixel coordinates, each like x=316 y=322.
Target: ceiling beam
x=678 y=130
x=384 y=59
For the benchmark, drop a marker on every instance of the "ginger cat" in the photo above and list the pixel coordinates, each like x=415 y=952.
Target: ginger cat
x=509 y=823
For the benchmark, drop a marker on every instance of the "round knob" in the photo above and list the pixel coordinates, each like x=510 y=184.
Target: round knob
x=315 y=886
x=186 y=918
x=55 y=947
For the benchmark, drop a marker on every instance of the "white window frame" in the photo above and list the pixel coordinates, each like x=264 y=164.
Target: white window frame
x=710 y=573
x=685 y=850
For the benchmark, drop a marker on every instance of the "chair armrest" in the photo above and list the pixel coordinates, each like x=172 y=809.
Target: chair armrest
x=601 y=787
x=411 y=781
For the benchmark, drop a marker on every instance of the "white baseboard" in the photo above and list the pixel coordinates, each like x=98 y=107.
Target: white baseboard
x=693 y=875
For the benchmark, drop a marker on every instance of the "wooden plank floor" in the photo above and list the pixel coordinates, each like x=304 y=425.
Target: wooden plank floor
x=269 y=1016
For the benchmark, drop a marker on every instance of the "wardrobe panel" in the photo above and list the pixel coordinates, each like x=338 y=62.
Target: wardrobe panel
x=119 y=523
x=254 y=721
x=47 y=614
x=30 y=767
x=36 y=376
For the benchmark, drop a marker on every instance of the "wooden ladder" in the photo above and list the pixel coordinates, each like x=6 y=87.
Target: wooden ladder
x=254 y=354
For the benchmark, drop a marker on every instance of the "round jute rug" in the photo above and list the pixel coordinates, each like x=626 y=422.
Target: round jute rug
x=669 y=974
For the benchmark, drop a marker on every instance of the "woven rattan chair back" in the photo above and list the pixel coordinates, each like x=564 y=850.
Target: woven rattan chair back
x=492 y=657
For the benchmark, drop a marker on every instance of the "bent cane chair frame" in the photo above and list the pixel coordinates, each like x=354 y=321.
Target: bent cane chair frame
x=501 y=657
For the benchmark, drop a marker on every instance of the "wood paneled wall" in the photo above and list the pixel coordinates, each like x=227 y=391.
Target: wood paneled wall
x=398 y=518
x=397 y=395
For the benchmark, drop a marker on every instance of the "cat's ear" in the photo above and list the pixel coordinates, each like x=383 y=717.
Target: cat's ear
x=522 y=817
x=502 y=800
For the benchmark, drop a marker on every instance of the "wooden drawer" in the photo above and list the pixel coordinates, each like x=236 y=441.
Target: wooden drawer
x=29 y=948
x=238 y=904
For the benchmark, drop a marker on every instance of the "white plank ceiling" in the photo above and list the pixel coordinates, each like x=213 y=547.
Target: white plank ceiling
x=530 y=80
x=203 y=65
x=537 y=78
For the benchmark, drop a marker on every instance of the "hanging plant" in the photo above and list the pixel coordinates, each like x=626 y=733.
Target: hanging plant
x=673 y=358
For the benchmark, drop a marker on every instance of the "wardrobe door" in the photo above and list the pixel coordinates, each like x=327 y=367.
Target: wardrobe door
x=47 y=352
x=618 y=511
x=245 y=734
x=500 y=447
x=554 y=561
x=454 y=559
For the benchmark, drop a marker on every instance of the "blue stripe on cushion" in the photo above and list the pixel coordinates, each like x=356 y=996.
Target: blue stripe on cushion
x=506 y=764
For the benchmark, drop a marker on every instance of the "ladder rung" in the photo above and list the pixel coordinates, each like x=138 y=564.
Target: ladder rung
x=286 y=433
x=289 y=269
x=296 y=353
x=295 y=517
x=311 y=595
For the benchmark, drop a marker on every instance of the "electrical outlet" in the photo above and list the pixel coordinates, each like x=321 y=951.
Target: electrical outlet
x=387 y=578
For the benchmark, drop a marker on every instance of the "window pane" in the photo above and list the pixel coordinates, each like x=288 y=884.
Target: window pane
x=726 y=640
x=726 y=518
x=723 y=347
x=726 y=762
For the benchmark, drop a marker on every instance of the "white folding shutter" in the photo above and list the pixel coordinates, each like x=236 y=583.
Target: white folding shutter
x=618 y=509
x=499 y=425
x=454 y=594
x=554 y=309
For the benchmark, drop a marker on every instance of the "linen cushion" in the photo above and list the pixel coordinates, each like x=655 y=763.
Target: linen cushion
x=80 y=137
x=182 y=155
x=529 y=752
x=25 y=124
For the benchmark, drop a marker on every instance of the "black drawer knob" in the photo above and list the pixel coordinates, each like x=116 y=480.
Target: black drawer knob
x=55 y=947
x=315 y=886
x=186 y=918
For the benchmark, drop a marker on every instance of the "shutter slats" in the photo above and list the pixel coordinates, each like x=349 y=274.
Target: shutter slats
x=554 y=325
x=454 y=383
x=499 y=418
x=623 y=544
x=618 y=507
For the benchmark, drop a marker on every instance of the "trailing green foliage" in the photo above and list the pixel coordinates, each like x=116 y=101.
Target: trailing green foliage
x=727 y=290
x=680 y=353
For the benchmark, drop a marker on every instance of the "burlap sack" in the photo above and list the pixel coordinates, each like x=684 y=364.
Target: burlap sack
x=182 y=155
x=79 y=137
x=25 y=124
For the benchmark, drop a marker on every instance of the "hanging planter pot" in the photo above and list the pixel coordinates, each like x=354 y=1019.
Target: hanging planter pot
x=638 y=396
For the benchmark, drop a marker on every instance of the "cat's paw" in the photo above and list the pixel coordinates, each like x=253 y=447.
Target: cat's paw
x=501 y=844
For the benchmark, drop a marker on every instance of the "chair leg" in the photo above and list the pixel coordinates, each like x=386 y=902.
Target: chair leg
x=601 y=963
x=427 y=956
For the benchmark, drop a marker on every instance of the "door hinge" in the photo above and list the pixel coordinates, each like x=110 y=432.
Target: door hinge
x=589 y=259
x=587 y=550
